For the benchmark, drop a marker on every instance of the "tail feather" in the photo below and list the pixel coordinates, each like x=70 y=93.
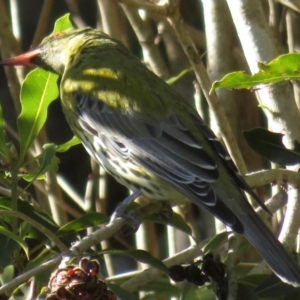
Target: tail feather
x=279 y=260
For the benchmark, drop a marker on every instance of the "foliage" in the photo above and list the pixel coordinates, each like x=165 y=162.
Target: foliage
x=284 y=67
x=35 y=234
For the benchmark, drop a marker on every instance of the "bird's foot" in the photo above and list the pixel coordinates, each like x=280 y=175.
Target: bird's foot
x=134 y=217
x=161 y=209
x=121 y=210
x=133 y=223
x=165 y=211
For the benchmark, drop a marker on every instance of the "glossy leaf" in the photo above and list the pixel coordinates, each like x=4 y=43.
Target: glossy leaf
x=175 y=221
x=38 y=260
x=284 y=67
x=269 y=145
x=121 y=293
x=4 y=151
x=29 y=211
x=192 y=292
x=16 y=238
x=141 y=256
x=246 y=292
x=66 y=146
x=8 y=274
x=63 y=23
x=217 y=241
x=254 y=279
x=273 y=286
x=87 y=220
x=39 y=89
x=8 y=246
x=174 y=79
x=161 y=284
x=47 y=162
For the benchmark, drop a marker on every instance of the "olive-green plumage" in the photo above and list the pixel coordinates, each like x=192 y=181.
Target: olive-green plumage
x=148 y=137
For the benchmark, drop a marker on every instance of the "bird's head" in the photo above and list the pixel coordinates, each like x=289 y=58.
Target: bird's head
x=58 y=50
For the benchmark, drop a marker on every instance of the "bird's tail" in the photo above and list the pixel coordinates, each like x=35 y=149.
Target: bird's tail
x=279 y=260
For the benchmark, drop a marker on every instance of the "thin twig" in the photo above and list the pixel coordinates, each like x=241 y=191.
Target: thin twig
x=69 y=190
x=273 y=176
x=291 y=224
x=42 y=23
x=9 y=46
x=29 y=274
x=233 y=241
x=164 y=26
x=273 y=204
x=292 y=4
x=37 y=226
x=148 y=6
x=77 y=250
x=15 y=20
x=55 y=198
x=205 y=83
x=110 y=12
x=80 y=247
x=146 y=39
x=147 y=275
x=74 y=10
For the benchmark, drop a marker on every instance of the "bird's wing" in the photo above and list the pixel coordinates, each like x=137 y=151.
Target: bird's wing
x=171 y=152
x=167 y=149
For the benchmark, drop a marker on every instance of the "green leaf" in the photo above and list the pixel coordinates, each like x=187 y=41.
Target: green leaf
x=39 y=89
x=47 y=162
x=173 y=79
x=4 y=151
x=161 y=285
x=16 y=238
x=175 y=221
x=8 y=274
x=141 y=256
x=66 y=146
x=88 y=220
x=38 y=260
x=284 y=67
x=121 y=293
x=269 y=145
x=8 y=246
x=62 y=24
x=214 y=243
x=252 y=280
x=192 y=292
x=29 y=210
x=246 y=292
x=273 y=286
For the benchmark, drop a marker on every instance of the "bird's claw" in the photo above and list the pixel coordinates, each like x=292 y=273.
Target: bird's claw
x=133 y=223
x=166 y=211
x=134 y=217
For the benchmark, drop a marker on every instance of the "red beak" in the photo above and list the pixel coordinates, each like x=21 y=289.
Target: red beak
x=21 y=60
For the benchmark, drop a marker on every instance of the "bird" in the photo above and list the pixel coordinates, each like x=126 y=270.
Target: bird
x=148 y=137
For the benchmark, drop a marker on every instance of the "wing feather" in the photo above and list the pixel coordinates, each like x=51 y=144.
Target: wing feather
x=167 y=149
